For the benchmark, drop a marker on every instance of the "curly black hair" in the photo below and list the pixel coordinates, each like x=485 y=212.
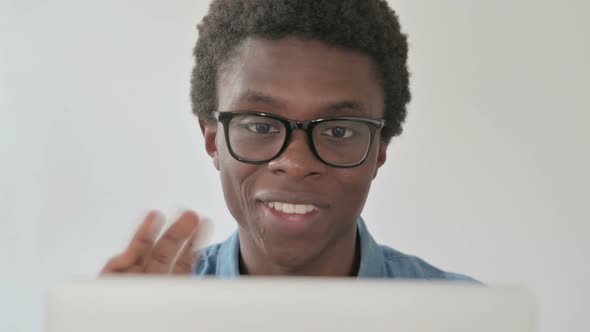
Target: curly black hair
x=367 y=26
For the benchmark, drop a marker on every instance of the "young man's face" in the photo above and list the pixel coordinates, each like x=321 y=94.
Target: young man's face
x=298 y=80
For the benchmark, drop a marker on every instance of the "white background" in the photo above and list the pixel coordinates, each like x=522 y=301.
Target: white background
x=490 y=177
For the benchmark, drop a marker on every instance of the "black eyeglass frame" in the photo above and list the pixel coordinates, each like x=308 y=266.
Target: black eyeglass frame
x=225 y=118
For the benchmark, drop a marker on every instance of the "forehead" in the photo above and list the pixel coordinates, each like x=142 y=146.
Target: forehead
x=303 y=76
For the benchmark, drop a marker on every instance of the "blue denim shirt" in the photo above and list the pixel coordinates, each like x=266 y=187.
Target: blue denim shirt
x=377 y=261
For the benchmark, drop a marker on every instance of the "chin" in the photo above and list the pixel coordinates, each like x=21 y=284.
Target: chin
x=288 y=259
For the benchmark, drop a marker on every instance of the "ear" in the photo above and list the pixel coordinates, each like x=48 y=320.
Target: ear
x=381 y=156
x=209 y=131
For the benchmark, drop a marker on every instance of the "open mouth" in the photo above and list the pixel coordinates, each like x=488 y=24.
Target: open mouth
x=291 y=217
x=292 y=208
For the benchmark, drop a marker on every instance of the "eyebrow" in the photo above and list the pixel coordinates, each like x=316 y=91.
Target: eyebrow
x=345 y=105
x=334 y=108
x=257 y=97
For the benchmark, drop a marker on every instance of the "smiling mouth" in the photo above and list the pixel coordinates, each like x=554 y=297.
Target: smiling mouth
x=291 y=208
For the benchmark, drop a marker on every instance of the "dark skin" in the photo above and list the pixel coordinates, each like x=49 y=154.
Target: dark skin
x=300 y=80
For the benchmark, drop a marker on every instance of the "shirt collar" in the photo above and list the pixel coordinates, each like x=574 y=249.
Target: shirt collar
x=372 y=261
x=371 y=266
x=228 y=259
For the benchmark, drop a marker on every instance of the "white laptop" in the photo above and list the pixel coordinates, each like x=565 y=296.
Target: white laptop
x=163 y=304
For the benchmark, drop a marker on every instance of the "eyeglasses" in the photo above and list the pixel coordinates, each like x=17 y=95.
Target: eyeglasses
x=256 y=137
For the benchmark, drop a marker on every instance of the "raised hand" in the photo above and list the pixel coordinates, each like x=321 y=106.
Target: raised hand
x=172 y=253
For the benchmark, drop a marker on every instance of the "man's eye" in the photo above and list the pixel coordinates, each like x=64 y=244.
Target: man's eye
x=261 y=128
x=338 y=132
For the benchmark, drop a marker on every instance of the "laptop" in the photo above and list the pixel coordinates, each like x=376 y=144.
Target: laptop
x=183 y=304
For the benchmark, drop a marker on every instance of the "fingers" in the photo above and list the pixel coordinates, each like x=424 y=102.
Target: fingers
x=170 y=246
x=174 y=252
x=134 y=257
x=120 y=263
x=143 y=239
x=187 y=258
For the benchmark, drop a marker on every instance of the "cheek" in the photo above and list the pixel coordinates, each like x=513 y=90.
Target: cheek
x=356 y=187
x=237 y=179
x=355 y=184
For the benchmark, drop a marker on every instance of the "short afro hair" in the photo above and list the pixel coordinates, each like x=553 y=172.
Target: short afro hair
x=367 y=26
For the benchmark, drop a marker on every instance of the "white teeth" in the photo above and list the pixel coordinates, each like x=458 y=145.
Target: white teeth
x=301 y=209
x=289 y=208
x=292 y=208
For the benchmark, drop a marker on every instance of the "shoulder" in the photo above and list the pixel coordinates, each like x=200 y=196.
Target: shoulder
x=206 y=263
x=221 y=259
x=401 y=265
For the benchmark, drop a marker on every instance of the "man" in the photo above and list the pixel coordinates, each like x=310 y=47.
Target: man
x=297 y=101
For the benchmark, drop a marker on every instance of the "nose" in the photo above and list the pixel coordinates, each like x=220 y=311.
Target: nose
x=297 y=160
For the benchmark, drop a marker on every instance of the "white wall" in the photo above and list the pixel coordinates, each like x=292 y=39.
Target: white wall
x=490 y=177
